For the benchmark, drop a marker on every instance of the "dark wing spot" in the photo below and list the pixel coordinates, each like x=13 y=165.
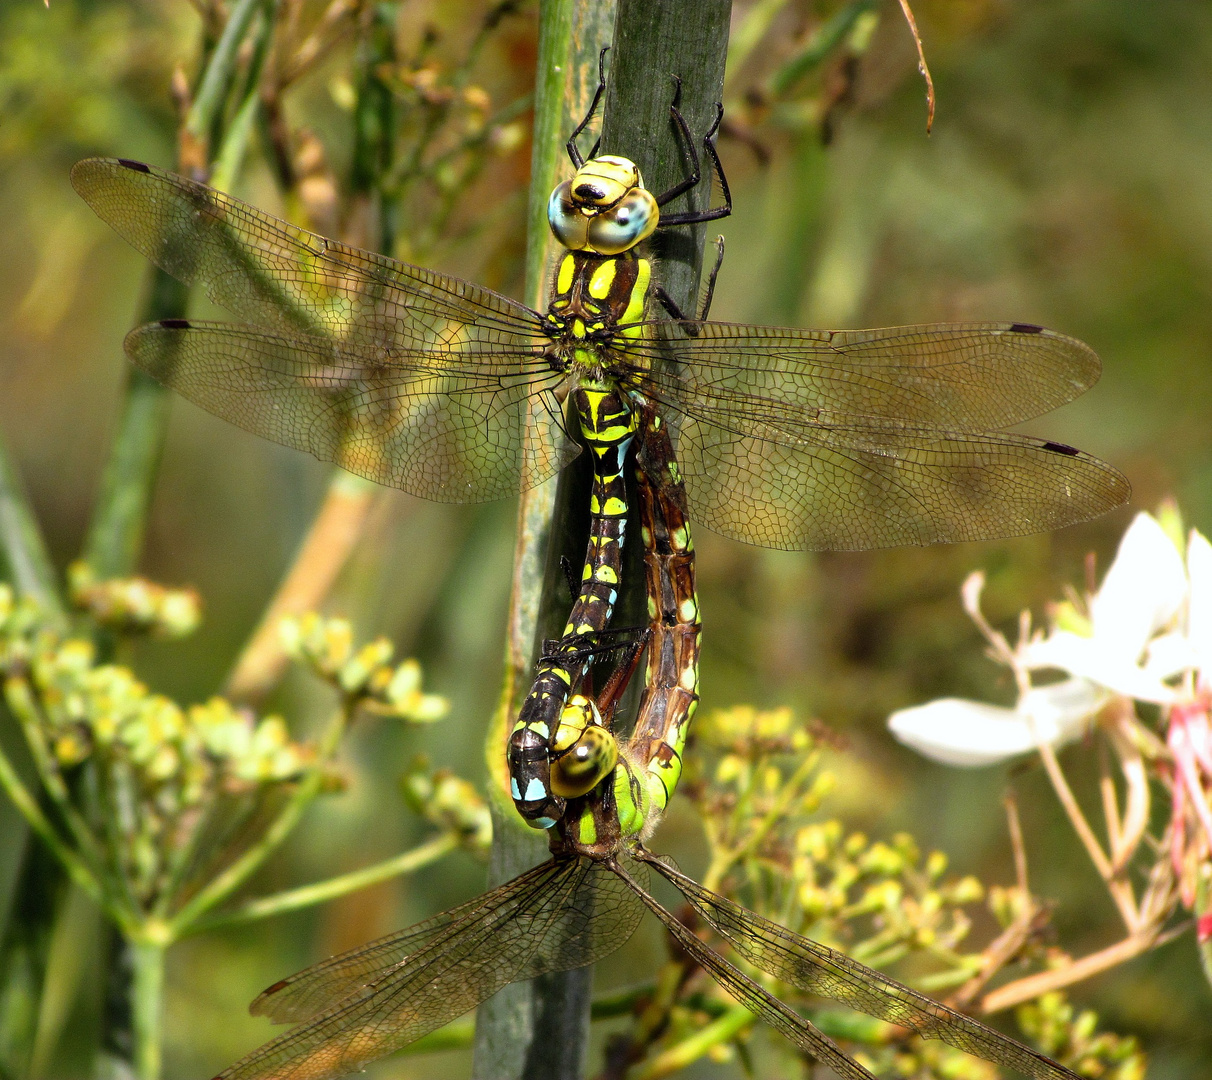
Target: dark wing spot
x=175 y=324
x=1025 y=328
x=1062 y=448
x=138 y=166
x=273 y=989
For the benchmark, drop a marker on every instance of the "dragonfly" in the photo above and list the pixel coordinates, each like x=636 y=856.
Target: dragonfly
x=786 y=437
x=587 y=899
x=598 y=301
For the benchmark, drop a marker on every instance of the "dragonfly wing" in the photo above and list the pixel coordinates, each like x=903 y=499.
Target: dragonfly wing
x=444 y=426
x=597 y=914
x=830 y=485
x=820 y=970
x=451 y=968
x=971 y=377
x=312 y=990
x=272 y=273
x=380 y=343
x=754 y=997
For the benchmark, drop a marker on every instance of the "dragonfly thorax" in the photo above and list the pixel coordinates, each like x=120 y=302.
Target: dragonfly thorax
x=596 y=311
x=604 y=208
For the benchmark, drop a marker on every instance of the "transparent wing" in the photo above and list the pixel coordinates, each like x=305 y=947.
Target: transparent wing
x=444 y=427
x=756 y=998
x=561 y=915
x=377 y=342
x=843 y=440
x=314 y=989
x=852 y=483
x=819 y=970
x=972 y=377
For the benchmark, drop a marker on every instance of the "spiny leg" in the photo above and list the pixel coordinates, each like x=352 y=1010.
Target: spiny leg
x=574 y=153
x=667 y=302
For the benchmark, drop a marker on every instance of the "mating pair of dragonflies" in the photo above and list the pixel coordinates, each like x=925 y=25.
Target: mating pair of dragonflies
x=781 y=437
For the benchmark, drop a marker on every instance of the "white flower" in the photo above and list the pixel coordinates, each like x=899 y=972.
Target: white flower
x=1135 y=647
x=1142 y=593
x=970 y=733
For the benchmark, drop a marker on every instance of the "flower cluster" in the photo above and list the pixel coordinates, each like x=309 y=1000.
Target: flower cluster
x=449 y=802
x=757 y=783
x=365 y=675
x=1070 y=1036
x=152 y=766
x=767 y=786
x=134 y=605
x=83 y=708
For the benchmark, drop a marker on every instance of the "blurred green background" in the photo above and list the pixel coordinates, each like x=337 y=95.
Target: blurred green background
x=1066 y=183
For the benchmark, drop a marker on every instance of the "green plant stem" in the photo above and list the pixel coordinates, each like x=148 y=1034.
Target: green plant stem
x=147 y=992
x=20 y=699
x=723 y=859
x=116 y=532
x=216 y=79
x=306 y=895
x=21 y=541
x=75 y=867
x=545 y=1034
x=820 y=46
x=231 y=151
x=539 y=1028
x=223 y=885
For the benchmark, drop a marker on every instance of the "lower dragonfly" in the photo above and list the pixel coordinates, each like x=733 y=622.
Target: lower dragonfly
x=588 y=898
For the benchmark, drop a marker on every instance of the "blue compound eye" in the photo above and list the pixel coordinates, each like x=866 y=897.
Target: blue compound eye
x=625 y=224
x=567 y=222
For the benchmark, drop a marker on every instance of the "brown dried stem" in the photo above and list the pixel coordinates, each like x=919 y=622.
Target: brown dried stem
x=922 y=66
x=322 y=555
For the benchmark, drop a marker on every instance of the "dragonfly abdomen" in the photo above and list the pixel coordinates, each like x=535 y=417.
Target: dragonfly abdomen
x=607 y=424
x=653 y=754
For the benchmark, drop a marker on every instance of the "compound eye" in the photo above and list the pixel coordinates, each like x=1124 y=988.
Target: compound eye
x=586 y=752
x=625 y=224
x=591 y=759
x=569 y=225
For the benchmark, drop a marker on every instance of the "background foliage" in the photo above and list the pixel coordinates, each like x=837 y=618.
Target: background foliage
x=1065 y=183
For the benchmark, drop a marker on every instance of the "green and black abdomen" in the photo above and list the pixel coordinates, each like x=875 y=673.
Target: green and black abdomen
x=596 y=299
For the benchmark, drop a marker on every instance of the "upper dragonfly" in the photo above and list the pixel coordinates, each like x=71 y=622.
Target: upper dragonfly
x=786 y=437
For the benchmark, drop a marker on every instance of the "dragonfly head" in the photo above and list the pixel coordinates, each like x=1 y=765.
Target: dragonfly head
x=604 y=208
x=583 y=752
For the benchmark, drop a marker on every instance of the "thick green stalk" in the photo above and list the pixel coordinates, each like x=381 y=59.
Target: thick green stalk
x=114 y=543
x=21 y=542
x=654 y=42
x=539 y=1028
x=542 y=1030
x=147 y=991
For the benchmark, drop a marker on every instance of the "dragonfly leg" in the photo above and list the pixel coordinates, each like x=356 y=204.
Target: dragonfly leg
x=696 y=172
x=574 y=154
x=570 y=576
x=620 y=678
x=670 y=305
